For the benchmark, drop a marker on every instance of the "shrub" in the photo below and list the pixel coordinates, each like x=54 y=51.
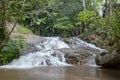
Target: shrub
x=9 y=51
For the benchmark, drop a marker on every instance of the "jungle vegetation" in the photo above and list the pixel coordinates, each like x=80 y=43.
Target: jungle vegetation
x=96 y=21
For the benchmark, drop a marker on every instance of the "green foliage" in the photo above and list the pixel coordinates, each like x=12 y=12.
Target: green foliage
x=64 y=18
x=12 y=46
x=115 y=33
x=108 y=29
x=86 y=16
x=9 y=51
x=99 y=43
x=51 y=17
x=11 y=11
x=63 y=23
x=15 y=9
x=24 y=30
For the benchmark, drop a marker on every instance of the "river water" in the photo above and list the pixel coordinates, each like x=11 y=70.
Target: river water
x=49 y=64
x=60 y=73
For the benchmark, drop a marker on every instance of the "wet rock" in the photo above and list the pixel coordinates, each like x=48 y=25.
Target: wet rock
x=30 y=49
x=54 y=54
x=76 y=56
x=48 y=62
x=75 y=42
x=32 y=44
x=67 y=40
x=78 y=51
x=107 y=59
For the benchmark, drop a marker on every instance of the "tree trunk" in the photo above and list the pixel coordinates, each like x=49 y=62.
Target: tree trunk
x=110 y=6
x=38 y=30
x=7 y=36
x=84 y=6
x=105 y=9
x=76 y=30
x=3 y=25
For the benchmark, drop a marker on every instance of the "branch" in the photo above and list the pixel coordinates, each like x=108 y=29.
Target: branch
x=12 y=28
x=11 y=31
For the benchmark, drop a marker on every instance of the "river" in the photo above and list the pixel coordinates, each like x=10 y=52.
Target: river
x=60 y=73
x=49 y=64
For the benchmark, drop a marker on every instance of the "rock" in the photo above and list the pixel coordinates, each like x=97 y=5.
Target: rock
x=78 y=43
x=33 y=42
x=67 y=40
x=30 y=49
x=76 y=55
x=33 y=39
x=109 y=59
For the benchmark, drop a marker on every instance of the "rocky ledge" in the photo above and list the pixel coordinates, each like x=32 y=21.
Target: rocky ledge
x=76 y=54
x=107 y=59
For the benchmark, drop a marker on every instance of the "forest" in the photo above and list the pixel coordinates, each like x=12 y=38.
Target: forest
x=95 y=21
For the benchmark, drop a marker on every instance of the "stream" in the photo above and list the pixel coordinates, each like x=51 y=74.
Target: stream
x=49 y=63
x=60 y=73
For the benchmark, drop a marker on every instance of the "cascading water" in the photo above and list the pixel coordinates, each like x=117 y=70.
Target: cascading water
x=92 y=49
x=47 y=56
x=49 y=53
x=82 y=43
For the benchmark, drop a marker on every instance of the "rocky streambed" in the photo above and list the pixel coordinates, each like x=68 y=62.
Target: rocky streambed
x=78 y=53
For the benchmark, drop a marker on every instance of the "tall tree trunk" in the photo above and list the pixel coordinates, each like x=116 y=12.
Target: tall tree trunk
x=3 y=25
x=38 y=30
x=110 y=6
x=94 y=4
x=83 y=23
x=76 y=30
x=84 y=5
x=105 y=10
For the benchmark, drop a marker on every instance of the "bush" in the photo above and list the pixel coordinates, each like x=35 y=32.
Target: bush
x=9 y=51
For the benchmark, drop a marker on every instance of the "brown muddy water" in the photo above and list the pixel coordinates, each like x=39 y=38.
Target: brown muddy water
x=60 y=73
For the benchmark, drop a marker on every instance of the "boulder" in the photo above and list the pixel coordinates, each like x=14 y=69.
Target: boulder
x=76 y=55
x=106 y=59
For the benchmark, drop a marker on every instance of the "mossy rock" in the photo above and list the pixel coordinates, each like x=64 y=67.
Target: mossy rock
x=108 y=59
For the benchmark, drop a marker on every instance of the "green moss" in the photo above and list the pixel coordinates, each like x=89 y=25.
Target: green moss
x=97 y=58
x=24 y=30
x=18 y=37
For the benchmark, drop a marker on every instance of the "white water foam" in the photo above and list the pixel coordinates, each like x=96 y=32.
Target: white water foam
x=84 y=44
x=90 y=47
x=49 y=55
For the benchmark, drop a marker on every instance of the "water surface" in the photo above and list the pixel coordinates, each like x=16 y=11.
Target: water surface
x=60 y=73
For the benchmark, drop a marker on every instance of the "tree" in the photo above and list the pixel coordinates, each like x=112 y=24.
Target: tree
x=11 y=10
x=43 y=18
x=2 y=16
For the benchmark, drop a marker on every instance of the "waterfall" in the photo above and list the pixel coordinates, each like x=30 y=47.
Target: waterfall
x=49 y=53
x=82 y=43
x=90 y=48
